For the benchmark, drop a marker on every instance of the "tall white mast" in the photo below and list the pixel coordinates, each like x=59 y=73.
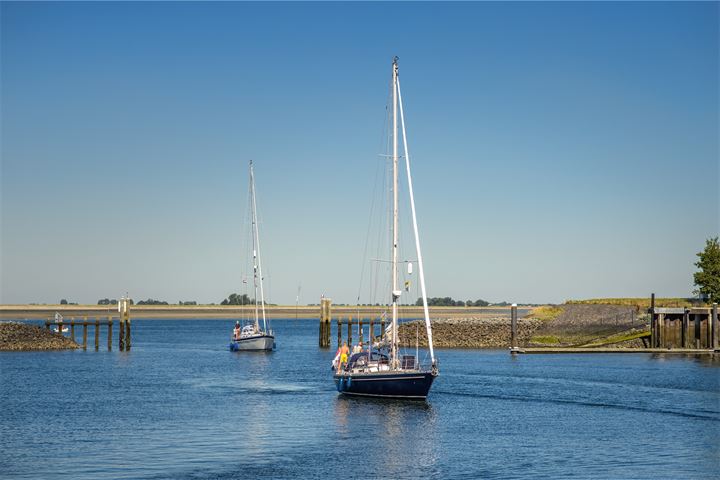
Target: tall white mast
x=395 y=290
x=257 y=267
x=415 y=228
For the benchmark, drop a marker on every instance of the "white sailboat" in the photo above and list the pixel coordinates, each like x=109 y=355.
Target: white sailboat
x=381 y=370
x=59 y=319
x=255 y=334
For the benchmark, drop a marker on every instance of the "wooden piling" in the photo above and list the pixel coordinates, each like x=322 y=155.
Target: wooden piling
x=349 y=337
x=325 y=319
x=97 y=333
x=715 y=326
x=672 y=331
x=85 y=325
x=371 y=333
x=121 y=335
x=110 y=325
x=125 y=324
x=72 y=328
x=513 y=328
x=685 y=341
x=653 y=323
x=127 y=335
x=654 y=340
x=321 y=330
x=327 y=326
x=339 y=331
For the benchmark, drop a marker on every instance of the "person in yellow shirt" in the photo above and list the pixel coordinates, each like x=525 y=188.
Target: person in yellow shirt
x=344 y=351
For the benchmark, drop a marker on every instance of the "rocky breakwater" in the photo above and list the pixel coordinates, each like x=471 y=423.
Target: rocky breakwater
x=18 y=336
x=468 y=332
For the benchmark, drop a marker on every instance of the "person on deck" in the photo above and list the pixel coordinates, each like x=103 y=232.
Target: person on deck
x=344 y=351
x=236 y=331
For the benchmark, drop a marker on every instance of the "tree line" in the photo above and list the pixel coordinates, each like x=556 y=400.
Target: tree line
x=449 y=302
x=149 y=301
x=238 y=299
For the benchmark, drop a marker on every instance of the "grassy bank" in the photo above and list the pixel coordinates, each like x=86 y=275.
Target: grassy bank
x=592 y=322
x=639 y=303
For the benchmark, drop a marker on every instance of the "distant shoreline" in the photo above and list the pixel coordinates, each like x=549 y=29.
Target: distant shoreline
x=43 y=312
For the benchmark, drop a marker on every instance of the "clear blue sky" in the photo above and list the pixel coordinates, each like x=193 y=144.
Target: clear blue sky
x=561 y=150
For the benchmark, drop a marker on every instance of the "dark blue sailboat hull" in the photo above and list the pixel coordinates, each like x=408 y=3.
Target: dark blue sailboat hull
x=410 y=385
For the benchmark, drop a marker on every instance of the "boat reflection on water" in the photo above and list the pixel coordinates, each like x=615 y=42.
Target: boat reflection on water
x=387 y=430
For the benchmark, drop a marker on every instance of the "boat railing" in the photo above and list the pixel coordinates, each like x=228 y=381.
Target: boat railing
x=407 y=362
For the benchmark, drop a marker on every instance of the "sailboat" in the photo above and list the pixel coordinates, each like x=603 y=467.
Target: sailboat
x=59 y=319
x=255 y=334
x=382 y=370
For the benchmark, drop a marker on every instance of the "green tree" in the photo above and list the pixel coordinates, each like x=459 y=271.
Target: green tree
x=708 y=278
x=149 y=301
x=237 y=299
x=63 y=302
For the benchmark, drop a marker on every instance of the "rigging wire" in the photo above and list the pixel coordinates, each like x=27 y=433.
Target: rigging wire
x=372 y=215
x=246 y=232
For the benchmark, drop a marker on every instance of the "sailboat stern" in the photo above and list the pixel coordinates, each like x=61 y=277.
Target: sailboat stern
x=413 y=385
x=256 y=342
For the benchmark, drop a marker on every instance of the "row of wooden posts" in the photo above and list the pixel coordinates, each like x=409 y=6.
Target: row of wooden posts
x=124 y=338
x=326 y=323
x=694 y=328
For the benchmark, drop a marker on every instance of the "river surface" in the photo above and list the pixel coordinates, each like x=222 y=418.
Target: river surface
x=180 y=405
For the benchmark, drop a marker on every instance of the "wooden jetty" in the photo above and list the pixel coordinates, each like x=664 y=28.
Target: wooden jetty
x=694 y=328
x=124 y=342
x=359 y=321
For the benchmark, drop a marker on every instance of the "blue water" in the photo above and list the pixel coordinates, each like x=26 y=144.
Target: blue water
x=179 y=405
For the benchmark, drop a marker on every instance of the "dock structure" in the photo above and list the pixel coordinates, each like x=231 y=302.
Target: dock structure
x=358 y=324
x=124 y=325
x=325 y=315
x=684 y=328
x=124 y=310
x=513 y=329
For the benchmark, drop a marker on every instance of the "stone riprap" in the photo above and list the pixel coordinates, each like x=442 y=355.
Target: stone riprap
x=468 y=332
x=18 y=336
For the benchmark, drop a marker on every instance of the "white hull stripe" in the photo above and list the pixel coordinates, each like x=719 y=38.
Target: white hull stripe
x=378 y=379
x=382 y=379
x=383 y=396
